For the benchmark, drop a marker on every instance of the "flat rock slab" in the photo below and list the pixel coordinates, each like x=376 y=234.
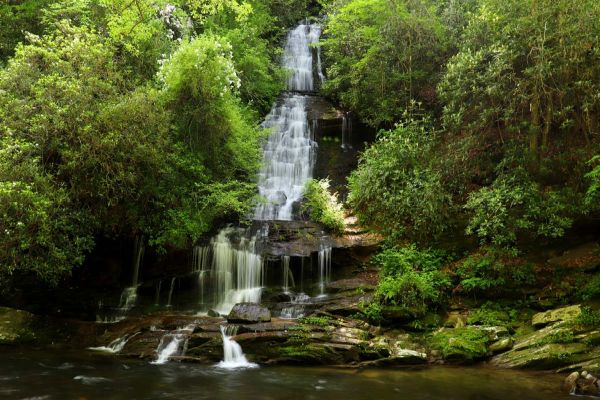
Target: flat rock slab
x=248 y=313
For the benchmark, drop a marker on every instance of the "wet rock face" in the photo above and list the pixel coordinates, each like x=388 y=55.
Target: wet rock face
x=249 y=313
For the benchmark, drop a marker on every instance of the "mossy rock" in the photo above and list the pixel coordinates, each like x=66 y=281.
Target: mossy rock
x=546 y=357
x=564 y=314
x=461 y=345
x=16 y=326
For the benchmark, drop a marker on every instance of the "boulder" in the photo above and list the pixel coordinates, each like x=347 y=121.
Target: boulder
x=15 y=326
x=564 y=314
x=249 y=313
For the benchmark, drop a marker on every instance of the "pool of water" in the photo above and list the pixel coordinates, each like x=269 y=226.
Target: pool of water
x=27 y=374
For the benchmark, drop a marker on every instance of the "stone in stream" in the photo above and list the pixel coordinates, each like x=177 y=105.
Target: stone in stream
x=249 y=313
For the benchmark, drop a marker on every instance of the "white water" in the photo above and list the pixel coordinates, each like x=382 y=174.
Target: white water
x=289 y=153
x=172 y=344
x=115 y=346
x=236 y=266
x=298 y=57
x=233 y=356
x=296 y=308
x=324 y=258
x=238 y=270
x=288 y=276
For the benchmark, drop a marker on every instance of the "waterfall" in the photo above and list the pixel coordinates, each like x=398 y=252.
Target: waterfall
x=236 y=266
x=233 y=356
x=289 y=153
x=238 y=270
x=346 y=131
x=324 y=259
x=288 y=276
x=171 y=291
x=116 y=345
x=129 y=294
x=296 y=307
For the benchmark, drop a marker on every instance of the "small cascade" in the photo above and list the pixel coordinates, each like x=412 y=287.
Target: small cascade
x=201 y=264
x=296 y=308
x=288 y=159
x=298 y=57
x=129 y=294
x=157 y=295
x=324 y=259
x=346 y=131
x=171 y=291
x=237 y=269
x=233 y=356
x=288 y=276
x=172 y=344
x=116 y=345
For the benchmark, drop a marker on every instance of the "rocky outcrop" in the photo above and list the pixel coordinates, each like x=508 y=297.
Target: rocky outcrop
x=565 y=314
x=585 y=258
x=249 y=313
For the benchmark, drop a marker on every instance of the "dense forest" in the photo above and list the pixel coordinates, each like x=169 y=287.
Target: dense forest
x=142 y=118
x=128 y=117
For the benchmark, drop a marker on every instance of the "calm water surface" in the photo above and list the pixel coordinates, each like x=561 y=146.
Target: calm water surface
x=26 y=374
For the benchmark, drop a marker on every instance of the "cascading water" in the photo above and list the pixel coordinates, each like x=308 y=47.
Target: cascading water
x=288 y=159
x=324 y=258
x=238 y=270
x=116 y=345
x=172 y=343
x=233 y=356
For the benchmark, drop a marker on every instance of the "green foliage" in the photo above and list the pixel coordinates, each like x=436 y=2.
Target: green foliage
x=410 y=278
x=381 y=55
x=589 y=317
x=592 y=196
x=515 y=204
x=17 y=17
x=527 y=69
x=396 y=189
x=323 y=206
x=322 y=321
x=591 y=288
x=493 y=270
x=492 y=314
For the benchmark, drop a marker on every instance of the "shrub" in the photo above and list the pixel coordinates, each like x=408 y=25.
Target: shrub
x=322 y=206
x=396 y=188
x=492 y=270
x=410 y=278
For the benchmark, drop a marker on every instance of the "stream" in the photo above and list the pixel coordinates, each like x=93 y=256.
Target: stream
x=30 y=374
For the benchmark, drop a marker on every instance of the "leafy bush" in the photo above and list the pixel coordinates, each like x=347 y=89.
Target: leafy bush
x=492 y=270
x=396 y=190
x=492 y=314
x=589 y=317
x=410 y=278
x=323 y=206
x=591 y=288
x=592 y=197
x=514 y=204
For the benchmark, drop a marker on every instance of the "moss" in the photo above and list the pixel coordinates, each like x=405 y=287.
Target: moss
x=322 y=321
x=461 y=344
